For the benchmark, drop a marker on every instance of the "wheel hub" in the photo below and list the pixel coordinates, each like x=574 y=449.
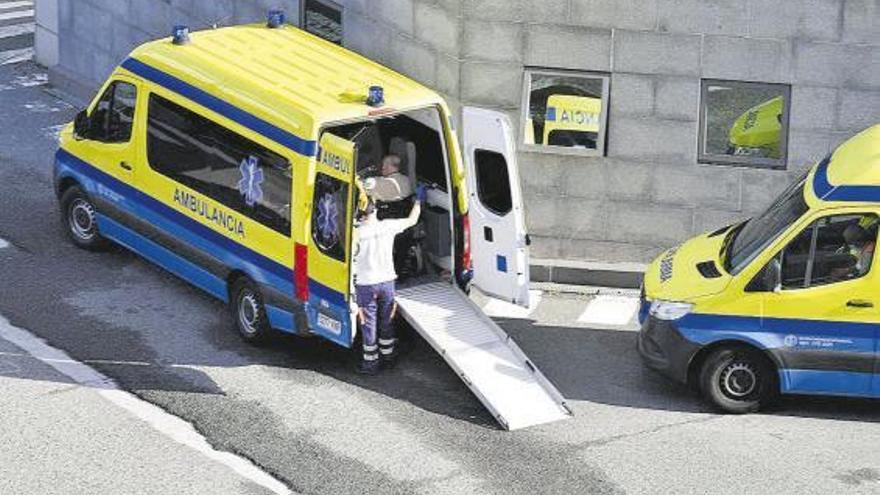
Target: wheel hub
x=248 y=312
x=82 y=219
x=739 y=380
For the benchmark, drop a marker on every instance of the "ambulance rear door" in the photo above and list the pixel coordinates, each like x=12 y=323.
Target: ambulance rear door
x=330 y=246
x=499 y=243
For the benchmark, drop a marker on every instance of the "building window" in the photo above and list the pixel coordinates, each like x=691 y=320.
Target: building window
x=744 y=123
x=565 y=112
x=322 y=18
x=223 y=165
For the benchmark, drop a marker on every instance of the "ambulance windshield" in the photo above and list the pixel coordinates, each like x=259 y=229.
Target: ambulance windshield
x=753 y=236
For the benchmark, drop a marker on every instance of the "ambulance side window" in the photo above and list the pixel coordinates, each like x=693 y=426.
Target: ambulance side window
x=329 y=223
x=219 y=163
x=113 y=116
x=843 y=248
x=832 y=249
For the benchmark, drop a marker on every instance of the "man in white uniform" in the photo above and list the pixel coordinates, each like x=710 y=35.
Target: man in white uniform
x=374 y=282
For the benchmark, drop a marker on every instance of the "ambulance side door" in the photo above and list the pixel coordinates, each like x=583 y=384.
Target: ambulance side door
x=330 y=241
x=499 y=242
x=823 y=312
x=110 y=143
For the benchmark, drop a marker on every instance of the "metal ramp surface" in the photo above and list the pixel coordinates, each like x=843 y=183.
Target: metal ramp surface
x=482 y=354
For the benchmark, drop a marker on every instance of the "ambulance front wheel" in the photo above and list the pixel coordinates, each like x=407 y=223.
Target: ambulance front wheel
x=738 y=380
x=79 y=219
x=249 y=312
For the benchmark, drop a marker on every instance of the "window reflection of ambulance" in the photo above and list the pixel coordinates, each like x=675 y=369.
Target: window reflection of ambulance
x=757 y=132
x=572 y=121
x=229 y=157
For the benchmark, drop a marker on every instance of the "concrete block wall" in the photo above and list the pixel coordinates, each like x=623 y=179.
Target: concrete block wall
x=648 y=192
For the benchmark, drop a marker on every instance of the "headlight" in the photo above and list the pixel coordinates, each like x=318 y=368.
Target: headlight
x=669 y=310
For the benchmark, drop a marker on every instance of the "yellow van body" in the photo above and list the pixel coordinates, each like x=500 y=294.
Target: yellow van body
x=274 y=90
x=766 y=290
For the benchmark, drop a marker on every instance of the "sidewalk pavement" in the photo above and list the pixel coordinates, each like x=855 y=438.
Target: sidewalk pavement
x=62 y=436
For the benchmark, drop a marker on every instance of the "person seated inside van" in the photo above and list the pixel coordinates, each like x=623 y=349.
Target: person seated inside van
x=391 y=185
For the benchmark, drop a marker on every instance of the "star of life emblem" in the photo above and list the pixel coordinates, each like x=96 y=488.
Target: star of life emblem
x=328 y=218
x=251 y=178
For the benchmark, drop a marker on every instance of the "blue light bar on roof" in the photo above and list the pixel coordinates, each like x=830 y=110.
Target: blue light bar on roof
x=180 y=35
x=376 y=96
x=275 y=18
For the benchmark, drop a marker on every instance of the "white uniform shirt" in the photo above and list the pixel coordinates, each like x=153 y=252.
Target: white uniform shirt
x=375 y=256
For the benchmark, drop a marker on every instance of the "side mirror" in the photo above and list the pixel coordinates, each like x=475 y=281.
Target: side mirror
x=773 y=276
x=81 y=125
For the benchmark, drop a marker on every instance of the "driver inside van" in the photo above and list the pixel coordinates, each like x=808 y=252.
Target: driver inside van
x=391 y=185
x=861 y=247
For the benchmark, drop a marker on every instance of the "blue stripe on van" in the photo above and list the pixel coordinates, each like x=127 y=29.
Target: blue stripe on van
x=323 y=292
x=169 y=213
x=846 y=383
x=770 y=333
x=826 y=191
x=302 y=146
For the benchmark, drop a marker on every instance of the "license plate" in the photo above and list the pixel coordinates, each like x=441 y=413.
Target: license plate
x=330 y=324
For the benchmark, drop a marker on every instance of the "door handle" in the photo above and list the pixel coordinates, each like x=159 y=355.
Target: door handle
x=125 y=165
x=859 y=303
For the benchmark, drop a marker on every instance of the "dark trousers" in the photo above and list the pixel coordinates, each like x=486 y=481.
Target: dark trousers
x=376 y=302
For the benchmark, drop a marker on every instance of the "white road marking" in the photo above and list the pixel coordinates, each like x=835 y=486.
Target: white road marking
x=13 y=56
x=18 y=14
x=3 y=243
x=610 y=310
x=17 y=29
x=54 y=131
x=26 y=80
x=40 y=107
x=503 y=309
x=165 y=423
x=15 y=5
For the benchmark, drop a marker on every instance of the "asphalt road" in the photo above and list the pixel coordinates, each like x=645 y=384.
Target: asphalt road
x=297 y=409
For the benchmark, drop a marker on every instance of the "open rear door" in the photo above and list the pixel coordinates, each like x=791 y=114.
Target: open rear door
x=329 y=260
x=499 y=244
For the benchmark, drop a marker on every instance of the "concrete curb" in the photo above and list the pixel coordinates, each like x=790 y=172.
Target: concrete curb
x=585 y=273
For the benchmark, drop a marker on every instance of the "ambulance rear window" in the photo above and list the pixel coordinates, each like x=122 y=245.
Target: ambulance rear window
x=219 y=163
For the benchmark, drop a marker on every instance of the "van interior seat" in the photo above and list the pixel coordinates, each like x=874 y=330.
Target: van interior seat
x=406 y=150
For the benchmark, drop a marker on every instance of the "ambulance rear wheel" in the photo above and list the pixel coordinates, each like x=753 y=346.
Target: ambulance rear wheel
x=79 y=219
x=738 y=380
x=249 y=312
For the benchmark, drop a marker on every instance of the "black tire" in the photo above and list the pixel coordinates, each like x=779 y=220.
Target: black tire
x=249 y=312
x=738 y=380
x=78 y=217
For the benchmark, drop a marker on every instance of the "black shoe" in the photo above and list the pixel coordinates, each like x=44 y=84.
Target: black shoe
x=368 y=367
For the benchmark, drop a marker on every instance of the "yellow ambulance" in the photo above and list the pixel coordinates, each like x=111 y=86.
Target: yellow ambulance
x=785 y=302
x=229 y=157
